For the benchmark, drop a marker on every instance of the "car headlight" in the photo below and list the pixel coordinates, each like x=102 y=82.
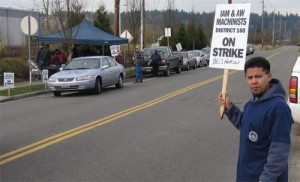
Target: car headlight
x=87 y=77
x=163 y=61
x=51 y=79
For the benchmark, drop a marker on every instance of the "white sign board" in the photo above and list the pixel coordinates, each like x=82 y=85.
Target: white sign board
x=45 y=76
x=178 y=47
x=114 y=50
x=230 y=34
x=9 y=79
x=167 y=32
x=29 y=22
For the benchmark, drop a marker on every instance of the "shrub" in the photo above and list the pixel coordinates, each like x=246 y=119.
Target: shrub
x=15 y=65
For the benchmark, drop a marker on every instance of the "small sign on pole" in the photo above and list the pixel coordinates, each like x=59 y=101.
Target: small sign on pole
x=9 y=81
x=229 y=41
x=168 y=33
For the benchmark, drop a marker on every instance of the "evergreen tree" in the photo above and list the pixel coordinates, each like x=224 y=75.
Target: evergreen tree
x=103 y=23
x=201 y=39
x=181 y=36
x=102 y=19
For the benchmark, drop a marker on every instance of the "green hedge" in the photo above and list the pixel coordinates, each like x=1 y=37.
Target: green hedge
x=15 y=65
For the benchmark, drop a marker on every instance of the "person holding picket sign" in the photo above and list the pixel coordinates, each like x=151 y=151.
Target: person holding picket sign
x=155 y=61
x=264 y=124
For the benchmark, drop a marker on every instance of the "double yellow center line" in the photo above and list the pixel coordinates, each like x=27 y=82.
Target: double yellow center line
x=21 y=152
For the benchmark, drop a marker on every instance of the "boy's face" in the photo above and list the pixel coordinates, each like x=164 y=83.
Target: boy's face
x=258 y=80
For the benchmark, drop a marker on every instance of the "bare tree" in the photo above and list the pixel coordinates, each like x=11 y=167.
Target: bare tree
x=66 y=14
x=153 y=16
x=170 y=19
x=192 y=25
x=132 y=19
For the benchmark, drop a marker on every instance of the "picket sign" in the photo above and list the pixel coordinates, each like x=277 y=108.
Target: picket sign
x=229 y=40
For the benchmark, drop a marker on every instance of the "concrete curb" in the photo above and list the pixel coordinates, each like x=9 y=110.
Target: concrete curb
x=21 y=96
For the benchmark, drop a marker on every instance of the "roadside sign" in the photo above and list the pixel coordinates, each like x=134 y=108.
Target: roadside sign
x=45 y=76
x=9 y=79
x=230 y=34
x=29 y=22
x=167 y=32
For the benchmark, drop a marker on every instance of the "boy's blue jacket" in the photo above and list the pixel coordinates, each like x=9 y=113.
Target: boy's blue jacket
x=265 y=126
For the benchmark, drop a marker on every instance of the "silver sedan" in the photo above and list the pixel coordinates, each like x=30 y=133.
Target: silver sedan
x=200 y=56
x=87 y=73
x=188 y=60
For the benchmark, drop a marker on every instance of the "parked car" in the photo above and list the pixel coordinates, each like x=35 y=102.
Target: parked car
x=206 y=50
x=250 y=49
x=188 y=60
x=170 y=61
x=87 y=73
x=294 y=92
x=200 y=56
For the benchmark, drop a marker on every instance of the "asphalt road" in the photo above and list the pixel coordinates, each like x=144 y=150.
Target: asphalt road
x=164 y=129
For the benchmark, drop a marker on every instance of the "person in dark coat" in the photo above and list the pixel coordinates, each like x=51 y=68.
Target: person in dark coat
x=265 y=126
x=155 y=61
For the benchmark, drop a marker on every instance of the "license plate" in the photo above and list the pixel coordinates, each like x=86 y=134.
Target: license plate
x=65 y=85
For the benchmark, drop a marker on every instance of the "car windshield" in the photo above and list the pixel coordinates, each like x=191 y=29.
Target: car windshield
x=206 y=50
x=162 y=51
x=196 y=53
x=83 y=64
x=184 y=55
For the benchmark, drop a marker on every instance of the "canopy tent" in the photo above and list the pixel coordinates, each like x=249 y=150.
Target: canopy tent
x=84 y=33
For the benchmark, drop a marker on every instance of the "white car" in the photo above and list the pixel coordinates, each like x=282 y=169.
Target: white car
x=294 y=92
x=87 y=73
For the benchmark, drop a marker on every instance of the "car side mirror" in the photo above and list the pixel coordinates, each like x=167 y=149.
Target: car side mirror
x=104 y=67
x=62 y=67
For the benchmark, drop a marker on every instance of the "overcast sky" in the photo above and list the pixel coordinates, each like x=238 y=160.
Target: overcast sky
x=283 y=6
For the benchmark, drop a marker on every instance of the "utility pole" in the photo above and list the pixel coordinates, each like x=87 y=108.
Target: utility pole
x=262 y=24
x=117 y=16
x=142 y=23
x=273 y=31
x=280 y=29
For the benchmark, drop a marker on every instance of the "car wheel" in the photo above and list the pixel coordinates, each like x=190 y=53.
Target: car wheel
x=167 y=72
x=97 y=88
x=57 y=93
x=120 y=82
x=195 y=65
x=178 y=69
x=188 y=67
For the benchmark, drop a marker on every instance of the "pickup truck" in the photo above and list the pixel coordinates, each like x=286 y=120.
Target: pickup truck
x=170 y=61
x=294 y=91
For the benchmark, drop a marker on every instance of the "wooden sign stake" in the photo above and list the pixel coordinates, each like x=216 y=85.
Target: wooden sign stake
x=224 y=88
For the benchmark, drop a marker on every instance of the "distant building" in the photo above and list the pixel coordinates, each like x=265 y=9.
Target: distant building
x=10 y=25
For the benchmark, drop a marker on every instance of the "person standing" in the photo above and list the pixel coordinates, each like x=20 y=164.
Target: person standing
x=156 y=59
x=119 y=58
x=264 y=124
x=45 y=57
x=59 y=58
x=139 y=57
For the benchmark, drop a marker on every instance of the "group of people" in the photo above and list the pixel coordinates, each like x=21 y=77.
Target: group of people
x=264 y=124
x=51 y=61
x=155 y=61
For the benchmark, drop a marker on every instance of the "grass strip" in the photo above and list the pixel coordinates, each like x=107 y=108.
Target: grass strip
x=23 y=90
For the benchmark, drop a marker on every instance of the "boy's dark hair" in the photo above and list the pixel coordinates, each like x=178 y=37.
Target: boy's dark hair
x=256 y=62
